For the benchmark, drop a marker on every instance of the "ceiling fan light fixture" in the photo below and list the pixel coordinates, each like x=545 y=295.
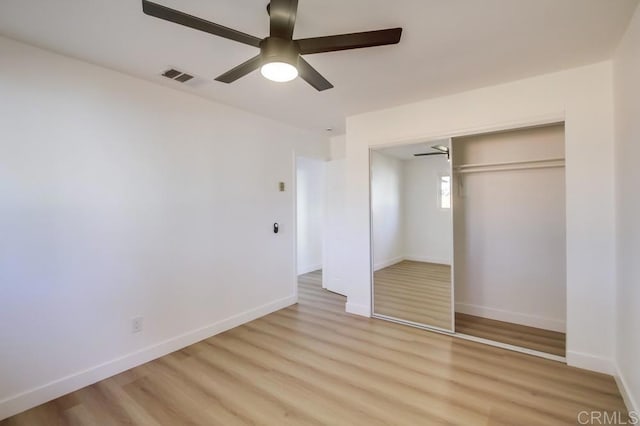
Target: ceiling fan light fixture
x=279 y=59
x=280 y=72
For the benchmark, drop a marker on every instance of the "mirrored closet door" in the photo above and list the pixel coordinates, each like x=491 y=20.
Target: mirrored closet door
x=412 y=234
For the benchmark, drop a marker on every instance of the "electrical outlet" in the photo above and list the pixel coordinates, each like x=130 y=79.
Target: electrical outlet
x=136 y=325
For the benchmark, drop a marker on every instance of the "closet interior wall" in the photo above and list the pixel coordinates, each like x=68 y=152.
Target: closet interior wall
x=509 y=226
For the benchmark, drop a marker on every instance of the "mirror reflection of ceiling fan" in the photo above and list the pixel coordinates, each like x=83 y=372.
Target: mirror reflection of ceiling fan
x=439 y=150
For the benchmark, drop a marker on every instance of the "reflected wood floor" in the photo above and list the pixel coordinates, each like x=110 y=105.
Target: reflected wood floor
x=537 y=339
x=415 y=291
x=312 y=364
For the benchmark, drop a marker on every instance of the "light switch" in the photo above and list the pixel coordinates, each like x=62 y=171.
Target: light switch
x=281 y=186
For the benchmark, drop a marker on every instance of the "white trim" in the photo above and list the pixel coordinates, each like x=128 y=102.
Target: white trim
x=500 y=126
x=294 y=208
x=512 y=317
x=590 y=362
x=23 y=401
x=309 y=268
x=511 y=347
x=387 y=263
x=362 y=310
x=452 y=251
x=625 y=391
x=372 y=268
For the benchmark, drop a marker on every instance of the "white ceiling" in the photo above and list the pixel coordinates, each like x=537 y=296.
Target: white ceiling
x=447 y=46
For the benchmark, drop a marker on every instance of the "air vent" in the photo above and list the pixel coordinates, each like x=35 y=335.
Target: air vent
x=176 y=75
x=171 y=73
x=183 y=78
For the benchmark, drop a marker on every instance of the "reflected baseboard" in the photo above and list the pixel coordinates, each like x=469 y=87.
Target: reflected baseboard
x=387 y=263
x=395 y=260
x=436 y=260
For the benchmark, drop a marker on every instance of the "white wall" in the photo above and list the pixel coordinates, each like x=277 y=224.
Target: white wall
x=120 y=198
x=627 y=154
x=510 y=229
x=386 y=209
x=338 y=147
x=428 y=232
x=584 y=97
x=311 y=200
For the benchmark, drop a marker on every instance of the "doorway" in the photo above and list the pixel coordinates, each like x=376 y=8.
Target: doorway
x=310 y=219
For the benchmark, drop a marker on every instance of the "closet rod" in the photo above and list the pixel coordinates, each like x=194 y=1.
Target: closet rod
x=511 y=165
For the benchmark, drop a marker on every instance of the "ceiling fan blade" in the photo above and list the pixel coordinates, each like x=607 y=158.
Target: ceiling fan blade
x=313 y=77
x=241 y=70
x=441 y=148
x=283 y=18
x=171 y=15
x=334 y=43
x=429 y=153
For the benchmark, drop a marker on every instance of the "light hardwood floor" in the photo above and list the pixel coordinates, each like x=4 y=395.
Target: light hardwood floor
x=537 y=339
x=415 y=291
x=421 y=292
x=312 y=364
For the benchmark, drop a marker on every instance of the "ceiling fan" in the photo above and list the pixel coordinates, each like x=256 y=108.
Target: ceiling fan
x=440 y=150
x=280 y=57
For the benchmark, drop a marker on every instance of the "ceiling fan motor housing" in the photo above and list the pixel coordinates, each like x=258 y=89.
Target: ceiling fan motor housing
x=274 y=49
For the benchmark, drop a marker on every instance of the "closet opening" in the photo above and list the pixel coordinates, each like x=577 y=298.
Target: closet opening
x=468 y=237
x=510 y=238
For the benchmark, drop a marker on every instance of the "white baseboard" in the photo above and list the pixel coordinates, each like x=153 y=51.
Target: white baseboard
x=590 y=362
x=629 y=398
x=511 y=347
x=427 y=259
x=362 y=310
x=309 y=268
x=512 y=317
x=387 y=263
x=41 y=394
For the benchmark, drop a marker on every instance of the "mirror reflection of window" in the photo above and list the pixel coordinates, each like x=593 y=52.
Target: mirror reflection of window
x=445 y=192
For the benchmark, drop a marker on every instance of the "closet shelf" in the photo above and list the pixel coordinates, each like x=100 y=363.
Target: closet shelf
x=510 y=165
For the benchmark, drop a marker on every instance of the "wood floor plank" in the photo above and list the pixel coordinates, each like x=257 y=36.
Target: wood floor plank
x=419 y=292
x=313 y=364
x=548 y=341
x=437 y=369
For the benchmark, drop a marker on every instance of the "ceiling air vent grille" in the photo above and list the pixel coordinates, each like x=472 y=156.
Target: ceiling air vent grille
x=176 y=75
